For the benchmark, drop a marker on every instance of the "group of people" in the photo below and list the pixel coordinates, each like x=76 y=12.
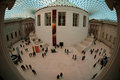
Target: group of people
x=32 y=54
x=22 y=46
x=26 y=50
x=45 y=51
x=27 y=67
x=59 y=76
x=102 y=61
x=96 y=52
x=67 y=51
x=74 y=57
x=83 y=52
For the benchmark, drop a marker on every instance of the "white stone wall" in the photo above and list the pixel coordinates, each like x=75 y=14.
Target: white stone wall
x=27 y=23
x=68 y=34
x=110 y=30
x=12 y=28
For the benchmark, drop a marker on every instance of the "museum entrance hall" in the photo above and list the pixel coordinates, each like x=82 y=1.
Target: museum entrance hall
x=59 y=40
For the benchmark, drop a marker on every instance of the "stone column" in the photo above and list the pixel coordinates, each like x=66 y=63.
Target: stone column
x=8 y=70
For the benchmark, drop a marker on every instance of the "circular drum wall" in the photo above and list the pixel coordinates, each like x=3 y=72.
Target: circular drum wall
x=66 y=32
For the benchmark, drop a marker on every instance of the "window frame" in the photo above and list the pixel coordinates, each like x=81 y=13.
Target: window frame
x=62 y=18
x=75 y=19
x=39 y=20
x=110 y=38
x=84 y=20
x=49 y=21
x=106 y=36
x=15 y=33
x=7 y=37
x=11 y=35
x=103 y=34
x=19 y=33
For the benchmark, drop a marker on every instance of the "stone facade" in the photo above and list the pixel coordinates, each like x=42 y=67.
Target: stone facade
x=68 y=33
x=104 y=31
x=18 y=29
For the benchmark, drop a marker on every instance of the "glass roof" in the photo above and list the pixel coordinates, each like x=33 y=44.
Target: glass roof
x=97 y=9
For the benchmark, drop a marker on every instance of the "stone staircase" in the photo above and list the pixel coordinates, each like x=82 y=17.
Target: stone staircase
x=84 y=45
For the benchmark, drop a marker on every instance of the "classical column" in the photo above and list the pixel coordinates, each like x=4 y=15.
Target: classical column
x=8 y=70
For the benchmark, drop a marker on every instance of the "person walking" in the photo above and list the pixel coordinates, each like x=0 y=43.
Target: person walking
x=61 y=74
x=73 y=56
x=30 y=66
x=58 y=77
x=23 y=67
x=34 y=72
x=27 y=66
x=95 y=56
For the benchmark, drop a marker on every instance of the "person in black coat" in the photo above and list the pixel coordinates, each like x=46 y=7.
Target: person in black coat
x=43 y=55
x=27 y=67
x=73 y=56
x=20 y=45
x=91 y=51
x=94 y=56
x=41 y=46
x=34 y=72
x=46 y=49
x=65 y=50
x=42 y=49
x=30 y=66
x=20 y=59
x=23 y=67
x=101 y=67
x=94 y=76
x=13 y=49
x=94 y=65
x=83 y=58
x=34 y=54
x=22 y=52
x=61 y=74
x=99 y=53
x=58 y=77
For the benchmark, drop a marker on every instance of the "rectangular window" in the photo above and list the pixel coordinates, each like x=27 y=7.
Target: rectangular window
x=48 y=19
x=38 y=20
x=106 y=36
x=7 y=37
x=75 y=19
x=19 y=33
x=114 y=40
x=110 y=38
x=11 y=35
x=15 y=34
x=84 y=21
x=103 y=34
x=61 y=18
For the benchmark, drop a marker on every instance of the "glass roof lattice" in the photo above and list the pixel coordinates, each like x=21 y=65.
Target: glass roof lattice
x=97 y=9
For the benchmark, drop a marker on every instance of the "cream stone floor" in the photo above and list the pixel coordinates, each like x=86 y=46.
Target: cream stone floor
x=50 y=66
